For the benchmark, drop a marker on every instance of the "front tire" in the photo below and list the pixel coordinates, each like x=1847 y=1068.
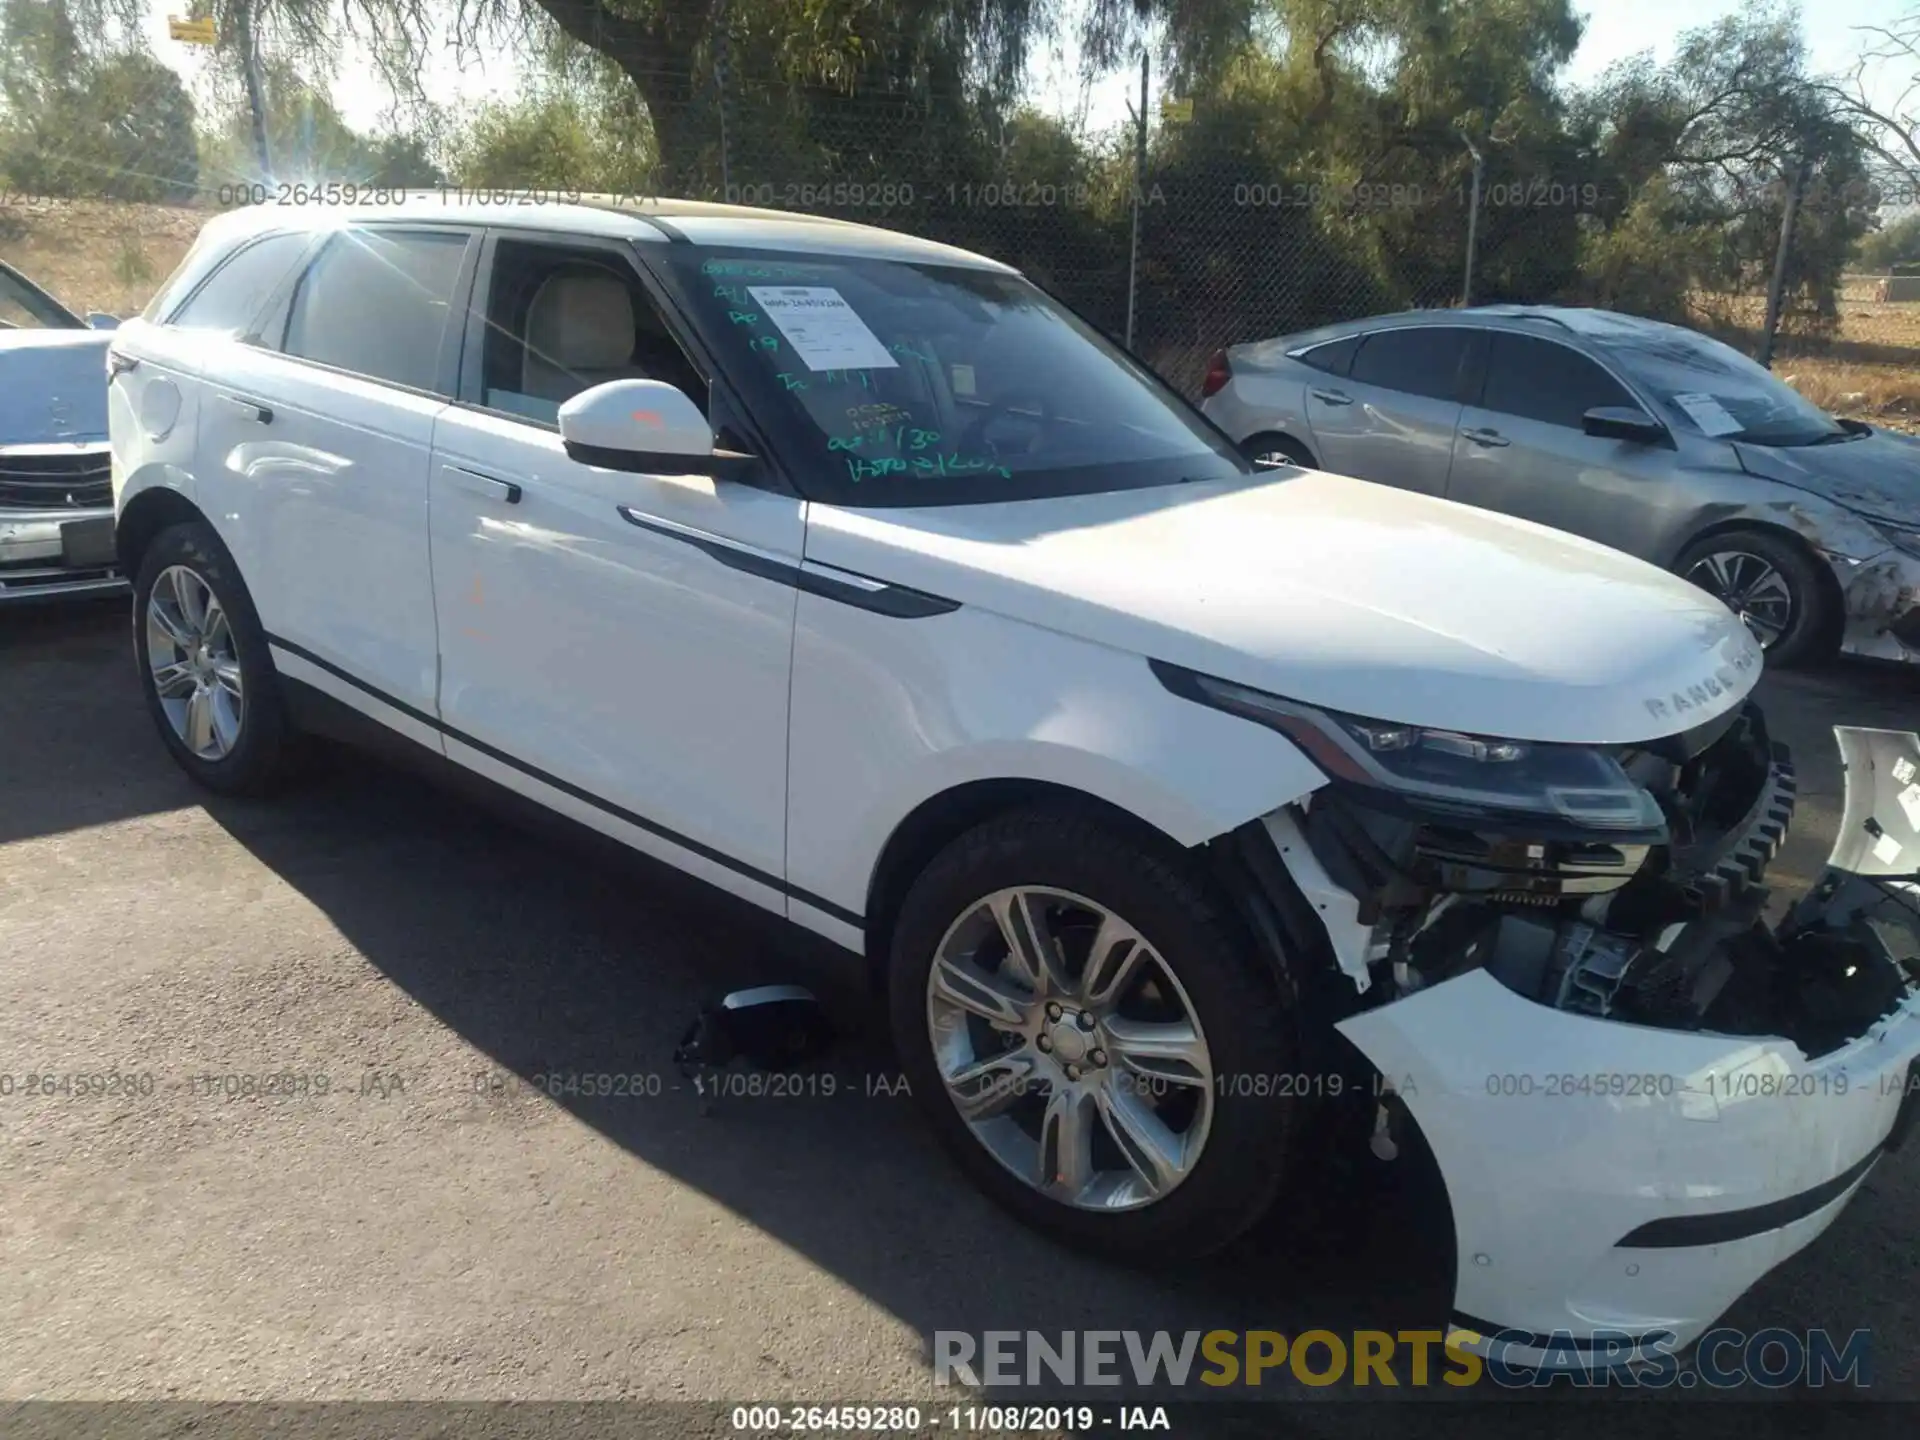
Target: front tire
x=1093 y=1036
x=202 y=657
x=1772 y=585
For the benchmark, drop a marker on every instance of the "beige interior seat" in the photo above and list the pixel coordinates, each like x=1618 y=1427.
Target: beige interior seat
x=579 y=334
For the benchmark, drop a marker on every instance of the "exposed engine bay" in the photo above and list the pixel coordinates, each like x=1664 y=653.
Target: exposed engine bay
x=1652 y=920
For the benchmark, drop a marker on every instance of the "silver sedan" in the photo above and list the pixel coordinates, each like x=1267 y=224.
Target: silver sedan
x=1648 y=437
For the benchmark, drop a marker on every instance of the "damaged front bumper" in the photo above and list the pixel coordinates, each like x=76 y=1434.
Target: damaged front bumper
x=1880 y=606
x=1640 y=1098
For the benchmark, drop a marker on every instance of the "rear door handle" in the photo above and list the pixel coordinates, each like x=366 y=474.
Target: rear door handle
x=258 y=411
x=1490 y=438
x=485 y=486
x=1331 y=397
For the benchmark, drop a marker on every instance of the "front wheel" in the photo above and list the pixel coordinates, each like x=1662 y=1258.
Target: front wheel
x=1770 y=584
x=203 y=663
x=1093 y=1037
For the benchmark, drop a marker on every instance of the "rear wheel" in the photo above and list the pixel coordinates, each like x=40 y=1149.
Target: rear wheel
x=1092 y=1035
x=203 y=663
x=1274 y=450
x=1771 y=584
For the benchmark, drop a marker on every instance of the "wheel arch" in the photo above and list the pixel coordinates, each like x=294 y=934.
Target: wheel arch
x=1831 y=595
x=944 y=817
x=1254 y=442
x=144 y=516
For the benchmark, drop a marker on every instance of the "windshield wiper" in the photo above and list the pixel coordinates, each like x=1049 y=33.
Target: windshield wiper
x=1840 y=436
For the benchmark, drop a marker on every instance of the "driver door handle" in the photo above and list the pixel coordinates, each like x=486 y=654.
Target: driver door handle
x=1492 y=439
x=1331 y=397
x=485 y=486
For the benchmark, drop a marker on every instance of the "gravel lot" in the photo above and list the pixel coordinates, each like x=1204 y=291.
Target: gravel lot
x=417 y=1233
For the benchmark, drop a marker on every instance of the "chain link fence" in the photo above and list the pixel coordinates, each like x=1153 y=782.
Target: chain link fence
x=1175 y=232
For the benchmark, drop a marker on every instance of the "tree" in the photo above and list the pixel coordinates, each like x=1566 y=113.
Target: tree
x=1893 y=244
x=89 y=115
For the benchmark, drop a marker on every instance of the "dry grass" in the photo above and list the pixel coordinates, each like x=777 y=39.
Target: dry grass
x=96 y=254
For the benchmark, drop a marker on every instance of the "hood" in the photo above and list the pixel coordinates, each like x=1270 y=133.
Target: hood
x=53 y=386
x=1878 y=473
x=1337 y=593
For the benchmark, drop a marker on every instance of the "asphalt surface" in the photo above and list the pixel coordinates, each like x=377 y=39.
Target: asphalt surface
x=431 y=1227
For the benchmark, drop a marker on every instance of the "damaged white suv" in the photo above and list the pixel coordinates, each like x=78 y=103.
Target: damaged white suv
x=1172 y=803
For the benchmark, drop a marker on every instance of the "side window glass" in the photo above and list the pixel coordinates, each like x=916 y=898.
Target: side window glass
x=233 y=294
x=1541 y=380
x=1423 y=360
x=375 y=302
x=1334 y=357
x=559 y=321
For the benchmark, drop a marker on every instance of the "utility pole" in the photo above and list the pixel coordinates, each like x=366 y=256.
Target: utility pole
x=1776 y=287
x=1473 y=218
x=1139 y=185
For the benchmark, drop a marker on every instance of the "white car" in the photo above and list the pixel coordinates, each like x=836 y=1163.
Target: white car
x=853 y=575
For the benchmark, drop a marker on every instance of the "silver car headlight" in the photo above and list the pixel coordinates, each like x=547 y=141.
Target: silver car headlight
x=1444 y=770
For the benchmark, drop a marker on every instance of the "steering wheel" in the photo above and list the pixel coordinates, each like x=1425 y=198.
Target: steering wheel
x=974 y=436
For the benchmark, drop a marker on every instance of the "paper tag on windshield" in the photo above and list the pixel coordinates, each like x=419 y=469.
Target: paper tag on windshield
x=1709 y=414
x=824 y=331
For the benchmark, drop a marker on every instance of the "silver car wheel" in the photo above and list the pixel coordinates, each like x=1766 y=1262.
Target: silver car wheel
x=1070 y=1049
x=1750 y=587
x=193 y=663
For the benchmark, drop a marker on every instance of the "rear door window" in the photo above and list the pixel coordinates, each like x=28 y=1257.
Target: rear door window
x=1421 y=360
x=1334 y=357
x=233 y=296
x=1545 y=381
x=376 y=302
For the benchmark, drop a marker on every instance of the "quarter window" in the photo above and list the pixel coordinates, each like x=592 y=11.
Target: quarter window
x=234 y=294
x=1541 y=380
x=376 y=302
x=1334 y=357
x=1423 y=360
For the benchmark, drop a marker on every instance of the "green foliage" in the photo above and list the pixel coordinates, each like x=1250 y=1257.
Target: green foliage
x=558 y=139
x=1897 y=243
x=308 y=141
x=72 y=122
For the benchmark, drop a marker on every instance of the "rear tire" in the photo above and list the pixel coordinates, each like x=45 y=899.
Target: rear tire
x=203 y=664
x=1772 y=585
x=1080 y=1141
x=1278 y=449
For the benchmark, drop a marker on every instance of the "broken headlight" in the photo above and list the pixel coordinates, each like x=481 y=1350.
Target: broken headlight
x=1443 y=771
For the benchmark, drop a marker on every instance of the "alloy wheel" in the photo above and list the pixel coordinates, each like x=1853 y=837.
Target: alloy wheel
x=194 y=664
x=1070 y=1049
x=1750 y=587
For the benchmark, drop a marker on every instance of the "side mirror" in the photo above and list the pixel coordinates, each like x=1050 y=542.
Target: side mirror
x=646 y=426
x=1624 y=422
x=99 y=320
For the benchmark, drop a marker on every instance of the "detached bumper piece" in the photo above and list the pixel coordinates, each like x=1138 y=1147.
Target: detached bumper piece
x=56 y=555
x=1640 y=1097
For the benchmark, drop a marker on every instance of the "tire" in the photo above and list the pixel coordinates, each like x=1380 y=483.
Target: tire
x=251 y=749
x=1271 y=443
x=1790 y=615
x=1246 y=1014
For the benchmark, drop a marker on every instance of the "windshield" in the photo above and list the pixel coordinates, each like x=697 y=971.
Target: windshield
x=888 y=383
x=1713 y=389
x=25 y=306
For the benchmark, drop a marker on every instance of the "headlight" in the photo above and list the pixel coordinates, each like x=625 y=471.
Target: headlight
x=1900 y=534
x=1443 y=769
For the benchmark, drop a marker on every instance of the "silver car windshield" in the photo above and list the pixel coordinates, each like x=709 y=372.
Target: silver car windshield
x=1712 y=389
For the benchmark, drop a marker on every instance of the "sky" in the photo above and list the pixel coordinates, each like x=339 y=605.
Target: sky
x=1615 y=30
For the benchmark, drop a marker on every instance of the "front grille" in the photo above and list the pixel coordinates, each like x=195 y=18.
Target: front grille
x=77 y=481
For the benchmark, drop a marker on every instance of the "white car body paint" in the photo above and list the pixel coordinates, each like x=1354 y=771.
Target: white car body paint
x=1545 y=1185
x=770 y=739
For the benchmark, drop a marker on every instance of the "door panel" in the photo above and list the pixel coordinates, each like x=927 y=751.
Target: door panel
x=318 y=481
x=1392 y=418
x=618 y=657
x=1521 y=450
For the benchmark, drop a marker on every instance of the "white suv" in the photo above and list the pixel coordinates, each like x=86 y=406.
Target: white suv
x=854 y=575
